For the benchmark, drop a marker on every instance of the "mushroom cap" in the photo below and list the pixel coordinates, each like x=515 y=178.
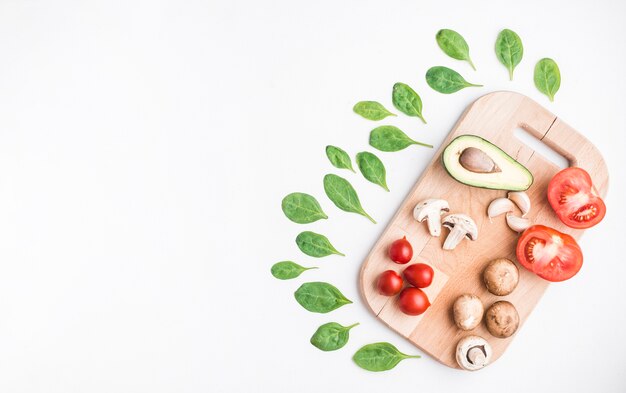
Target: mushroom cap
x=429 y=206
x=464 y=222
x=502 y=319
x=464 y=347
x=501 y=276
x=468 y=311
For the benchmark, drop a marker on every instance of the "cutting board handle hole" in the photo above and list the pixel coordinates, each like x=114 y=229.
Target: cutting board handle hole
x=541 y=148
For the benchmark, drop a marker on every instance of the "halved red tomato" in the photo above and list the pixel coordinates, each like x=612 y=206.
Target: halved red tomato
x=574 y=199
x=550 y=254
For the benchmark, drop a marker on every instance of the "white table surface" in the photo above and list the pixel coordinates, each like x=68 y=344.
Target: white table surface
x=145 y=147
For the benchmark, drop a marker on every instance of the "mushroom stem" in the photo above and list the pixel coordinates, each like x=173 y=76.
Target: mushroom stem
x=454 y=238
x=434 y=224
x=476 y=356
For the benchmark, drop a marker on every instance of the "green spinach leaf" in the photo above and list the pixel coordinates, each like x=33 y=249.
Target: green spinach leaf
x=390 y=138
x=379 y=357
x=446 y=80
x=320 y=297
x=547 y=77
x=315 y=245
x=331 y=336
x=302 y=208
x=407 y=101
x=343 y=195
x=339 y=158
x=454 y=45
x=371 y=110
x=372 y=168
x=509 y=50
x=286 y=270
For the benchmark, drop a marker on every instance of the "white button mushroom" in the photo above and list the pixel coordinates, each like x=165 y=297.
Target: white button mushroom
x=468 y=311
x=461 y=226
x=431 y=210
x=473 y=353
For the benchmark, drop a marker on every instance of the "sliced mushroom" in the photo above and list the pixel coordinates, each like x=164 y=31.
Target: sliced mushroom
x=468 y=311
x=518 y=224
x=522 y=201
x=473 y=353
x=461 y=226
x=431 y=210
x=500 y=206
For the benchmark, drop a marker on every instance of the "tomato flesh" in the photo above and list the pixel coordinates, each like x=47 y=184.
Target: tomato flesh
x=574 y=199
x=550 y=254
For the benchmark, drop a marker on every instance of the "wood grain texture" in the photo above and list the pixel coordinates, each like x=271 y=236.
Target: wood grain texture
x=494 y=117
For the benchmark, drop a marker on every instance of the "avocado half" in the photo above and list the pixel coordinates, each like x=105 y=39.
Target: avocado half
x=508 y=174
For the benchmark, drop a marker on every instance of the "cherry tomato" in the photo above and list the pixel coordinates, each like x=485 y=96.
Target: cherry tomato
x=550 y=254
x=574 y=199
x=401 y=251
x=413 y=301
x=389 y=283
x=419 y=275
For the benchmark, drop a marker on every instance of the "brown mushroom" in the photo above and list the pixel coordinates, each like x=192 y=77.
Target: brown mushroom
x=502 y=319
x=468 y=311
x=501 y=276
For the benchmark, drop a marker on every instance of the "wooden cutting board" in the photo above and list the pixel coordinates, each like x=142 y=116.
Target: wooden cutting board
x=494 y=117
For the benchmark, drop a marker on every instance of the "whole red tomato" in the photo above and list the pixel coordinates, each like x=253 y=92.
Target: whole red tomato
x=413 y=301
x=389 y=283
x=550 y=254
x=401 y=251
x=574 y=199
x=419 y=275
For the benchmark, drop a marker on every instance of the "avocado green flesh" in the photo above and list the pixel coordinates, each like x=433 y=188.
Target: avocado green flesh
x=512 y=176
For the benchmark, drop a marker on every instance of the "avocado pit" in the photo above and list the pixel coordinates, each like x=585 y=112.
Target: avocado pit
x=477 y=161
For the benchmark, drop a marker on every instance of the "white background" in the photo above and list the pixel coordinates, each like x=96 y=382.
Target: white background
x=145 y=147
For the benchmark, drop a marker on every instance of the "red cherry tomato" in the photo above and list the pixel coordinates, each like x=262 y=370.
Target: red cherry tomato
x=401 y=251
x=389 y=283
x=574 y=199
x=413 y=301
x=550 y=254
x=419 y=275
